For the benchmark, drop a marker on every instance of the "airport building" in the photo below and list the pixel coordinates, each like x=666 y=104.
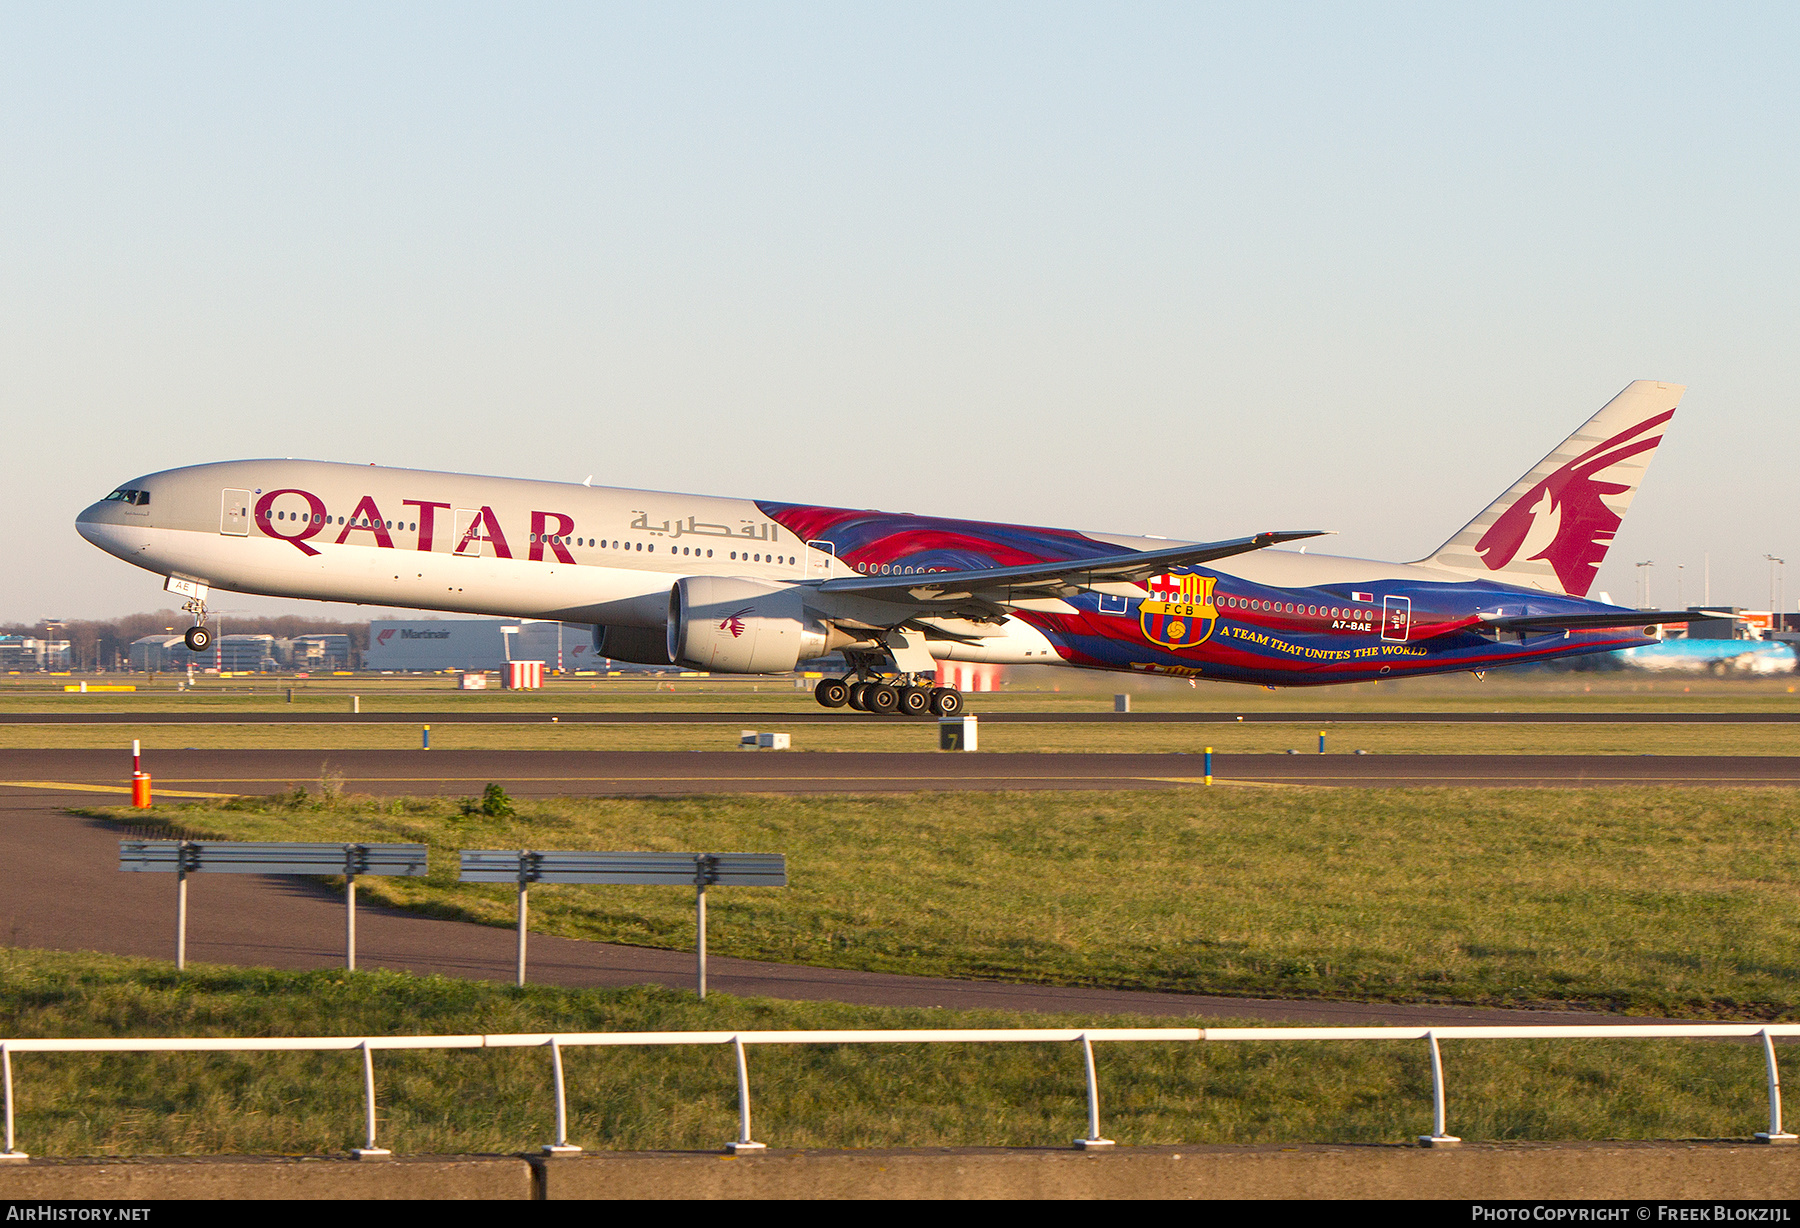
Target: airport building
x=161 y=653
x=477 y=644
x=24 y=654
x=235 y=654
x=1742 y=625
x=245 y=654
x=321 y=652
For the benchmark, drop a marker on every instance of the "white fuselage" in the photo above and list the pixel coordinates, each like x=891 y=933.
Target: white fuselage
x=513 y=547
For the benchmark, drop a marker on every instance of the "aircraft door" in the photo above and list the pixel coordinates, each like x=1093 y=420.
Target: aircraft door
x=234 y=513
x=465 y=517
x=1396 y=618
x=818 y=558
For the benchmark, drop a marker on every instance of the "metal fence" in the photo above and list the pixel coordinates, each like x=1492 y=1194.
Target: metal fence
x=555 y=1043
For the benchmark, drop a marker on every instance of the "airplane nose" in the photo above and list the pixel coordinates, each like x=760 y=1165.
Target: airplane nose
x=89 y=521
x=102 y=524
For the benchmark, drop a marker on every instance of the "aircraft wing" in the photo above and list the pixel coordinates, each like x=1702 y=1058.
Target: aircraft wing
x=1586 y=622
x=996 y=586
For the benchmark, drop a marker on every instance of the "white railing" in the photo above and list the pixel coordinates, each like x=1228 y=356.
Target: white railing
x=555 y=1043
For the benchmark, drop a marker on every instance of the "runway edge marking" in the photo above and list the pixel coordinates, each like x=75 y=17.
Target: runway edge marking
x=1241 y=784
x=81 y=788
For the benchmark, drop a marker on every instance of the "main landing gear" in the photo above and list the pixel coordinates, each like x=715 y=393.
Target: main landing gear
x=199 y=637
x=905 y=697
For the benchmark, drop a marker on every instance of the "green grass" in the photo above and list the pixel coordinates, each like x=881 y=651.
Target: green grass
x=812 y=1096
x=1651 y=901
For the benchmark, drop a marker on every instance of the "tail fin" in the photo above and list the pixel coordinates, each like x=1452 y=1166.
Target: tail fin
x=1551 y=530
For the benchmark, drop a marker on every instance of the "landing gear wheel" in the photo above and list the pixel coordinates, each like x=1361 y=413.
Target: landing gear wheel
x=880 y=698
x=853 y=695
x=199 y=639
x=832 y=693
x=946 y=701
x=915 y=700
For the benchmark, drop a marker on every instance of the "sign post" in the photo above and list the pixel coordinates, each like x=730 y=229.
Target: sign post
x=525 y=868
x=700 y=932
x=180 y=917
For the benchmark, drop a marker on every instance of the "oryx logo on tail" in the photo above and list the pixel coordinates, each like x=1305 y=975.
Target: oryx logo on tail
x=1179 y=612
x=1564 y=519
x=1551 y=529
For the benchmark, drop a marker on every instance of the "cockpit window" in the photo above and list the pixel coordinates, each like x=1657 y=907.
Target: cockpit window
x=136 y=498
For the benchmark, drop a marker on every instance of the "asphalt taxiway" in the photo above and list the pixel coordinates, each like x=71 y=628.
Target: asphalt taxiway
x=541 y=716
x=541 y=773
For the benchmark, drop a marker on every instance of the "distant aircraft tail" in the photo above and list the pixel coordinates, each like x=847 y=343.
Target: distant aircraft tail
x=1553 y=527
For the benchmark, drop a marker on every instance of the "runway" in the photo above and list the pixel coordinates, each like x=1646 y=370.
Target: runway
x=806 y=717
x=66 y=893
x=542 y=773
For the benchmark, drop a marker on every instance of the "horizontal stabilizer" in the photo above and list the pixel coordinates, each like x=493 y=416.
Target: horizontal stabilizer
x=1594 y=622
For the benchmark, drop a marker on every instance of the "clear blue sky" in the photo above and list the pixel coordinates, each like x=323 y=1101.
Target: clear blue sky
x=1147 y=268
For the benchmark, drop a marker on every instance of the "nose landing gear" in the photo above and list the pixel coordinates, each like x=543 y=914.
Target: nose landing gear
x=199 y=636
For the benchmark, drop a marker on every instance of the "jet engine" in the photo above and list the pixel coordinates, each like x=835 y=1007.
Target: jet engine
x=639 y=645
x=733 y=625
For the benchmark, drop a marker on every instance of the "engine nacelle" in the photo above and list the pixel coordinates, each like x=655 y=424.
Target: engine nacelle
x=732 y=625
x=638 y=645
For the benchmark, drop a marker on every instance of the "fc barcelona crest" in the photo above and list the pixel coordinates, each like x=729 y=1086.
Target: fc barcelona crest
x=1179 y=612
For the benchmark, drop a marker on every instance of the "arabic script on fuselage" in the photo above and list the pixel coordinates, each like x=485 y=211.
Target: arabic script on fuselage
x=693 y=526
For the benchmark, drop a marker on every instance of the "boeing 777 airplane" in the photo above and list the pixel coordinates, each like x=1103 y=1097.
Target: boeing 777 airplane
x=752 y=586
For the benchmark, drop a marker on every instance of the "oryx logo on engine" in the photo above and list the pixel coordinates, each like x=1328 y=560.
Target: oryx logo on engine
x=734 y=622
